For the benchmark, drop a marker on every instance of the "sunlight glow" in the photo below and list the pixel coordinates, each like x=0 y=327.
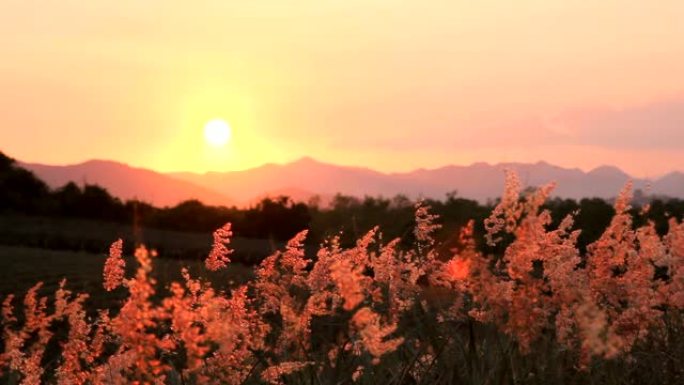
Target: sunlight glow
x=217 y=132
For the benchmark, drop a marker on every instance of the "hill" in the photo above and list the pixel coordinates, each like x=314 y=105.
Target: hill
x=127 y=182
x=305 y=178
x=479 y=181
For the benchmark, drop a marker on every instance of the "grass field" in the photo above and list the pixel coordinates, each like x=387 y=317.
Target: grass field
x=23 y=267
x=376 y=312
x=96 y=236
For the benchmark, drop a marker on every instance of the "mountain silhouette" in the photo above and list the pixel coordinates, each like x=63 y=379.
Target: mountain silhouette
x=307 y=177
x=128 y=182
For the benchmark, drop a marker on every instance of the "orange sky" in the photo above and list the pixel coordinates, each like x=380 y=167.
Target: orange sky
x=392 y=85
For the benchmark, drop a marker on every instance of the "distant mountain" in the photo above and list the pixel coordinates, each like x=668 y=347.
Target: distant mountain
x=479 y=181
x=128 y=182
x=671 y=184
x=306 y=178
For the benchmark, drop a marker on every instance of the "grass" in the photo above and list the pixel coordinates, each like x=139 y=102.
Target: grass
x=478 y=354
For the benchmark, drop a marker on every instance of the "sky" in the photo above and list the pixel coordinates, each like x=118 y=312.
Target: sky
x=390 y=85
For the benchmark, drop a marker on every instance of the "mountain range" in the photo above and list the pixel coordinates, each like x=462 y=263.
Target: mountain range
x=306 y=177
x=127 y=182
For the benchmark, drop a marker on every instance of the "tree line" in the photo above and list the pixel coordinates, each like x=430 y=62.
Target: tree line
x=280 y=218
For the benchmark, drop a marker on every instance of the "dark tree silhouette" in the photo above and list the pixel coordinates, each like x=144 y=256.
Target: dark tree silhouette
x=20 y=190
x=278 y=218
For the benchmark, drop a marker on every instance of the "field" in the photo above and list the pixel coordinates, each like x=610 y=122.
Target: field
x=96 y=236
x=22 y=267
x=376 y=312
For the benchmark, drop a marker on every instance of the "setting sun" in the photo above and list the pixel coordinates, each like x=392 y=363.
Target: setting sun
x=217 y=132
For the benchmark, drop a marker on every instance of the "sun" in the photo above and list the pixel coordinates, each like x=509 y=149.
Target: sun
x=217 y=132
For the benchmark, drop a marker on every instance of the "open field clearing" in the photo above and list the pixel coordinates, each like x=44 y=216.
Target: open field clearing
x=95 y=237
x=23 y=267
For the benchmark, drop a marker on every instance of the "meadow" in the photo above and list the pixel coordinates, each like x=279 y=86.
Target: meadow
x=93 y=236
x=376 y=312
x=22 y=267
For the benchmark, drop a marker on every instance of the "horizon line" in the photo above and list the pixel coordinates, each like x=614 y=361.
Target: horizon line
x=308 y=158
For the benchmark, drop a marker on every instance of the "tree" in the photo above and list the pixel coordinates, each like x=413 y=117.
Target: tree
x=20 y=190
x=279 y=218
